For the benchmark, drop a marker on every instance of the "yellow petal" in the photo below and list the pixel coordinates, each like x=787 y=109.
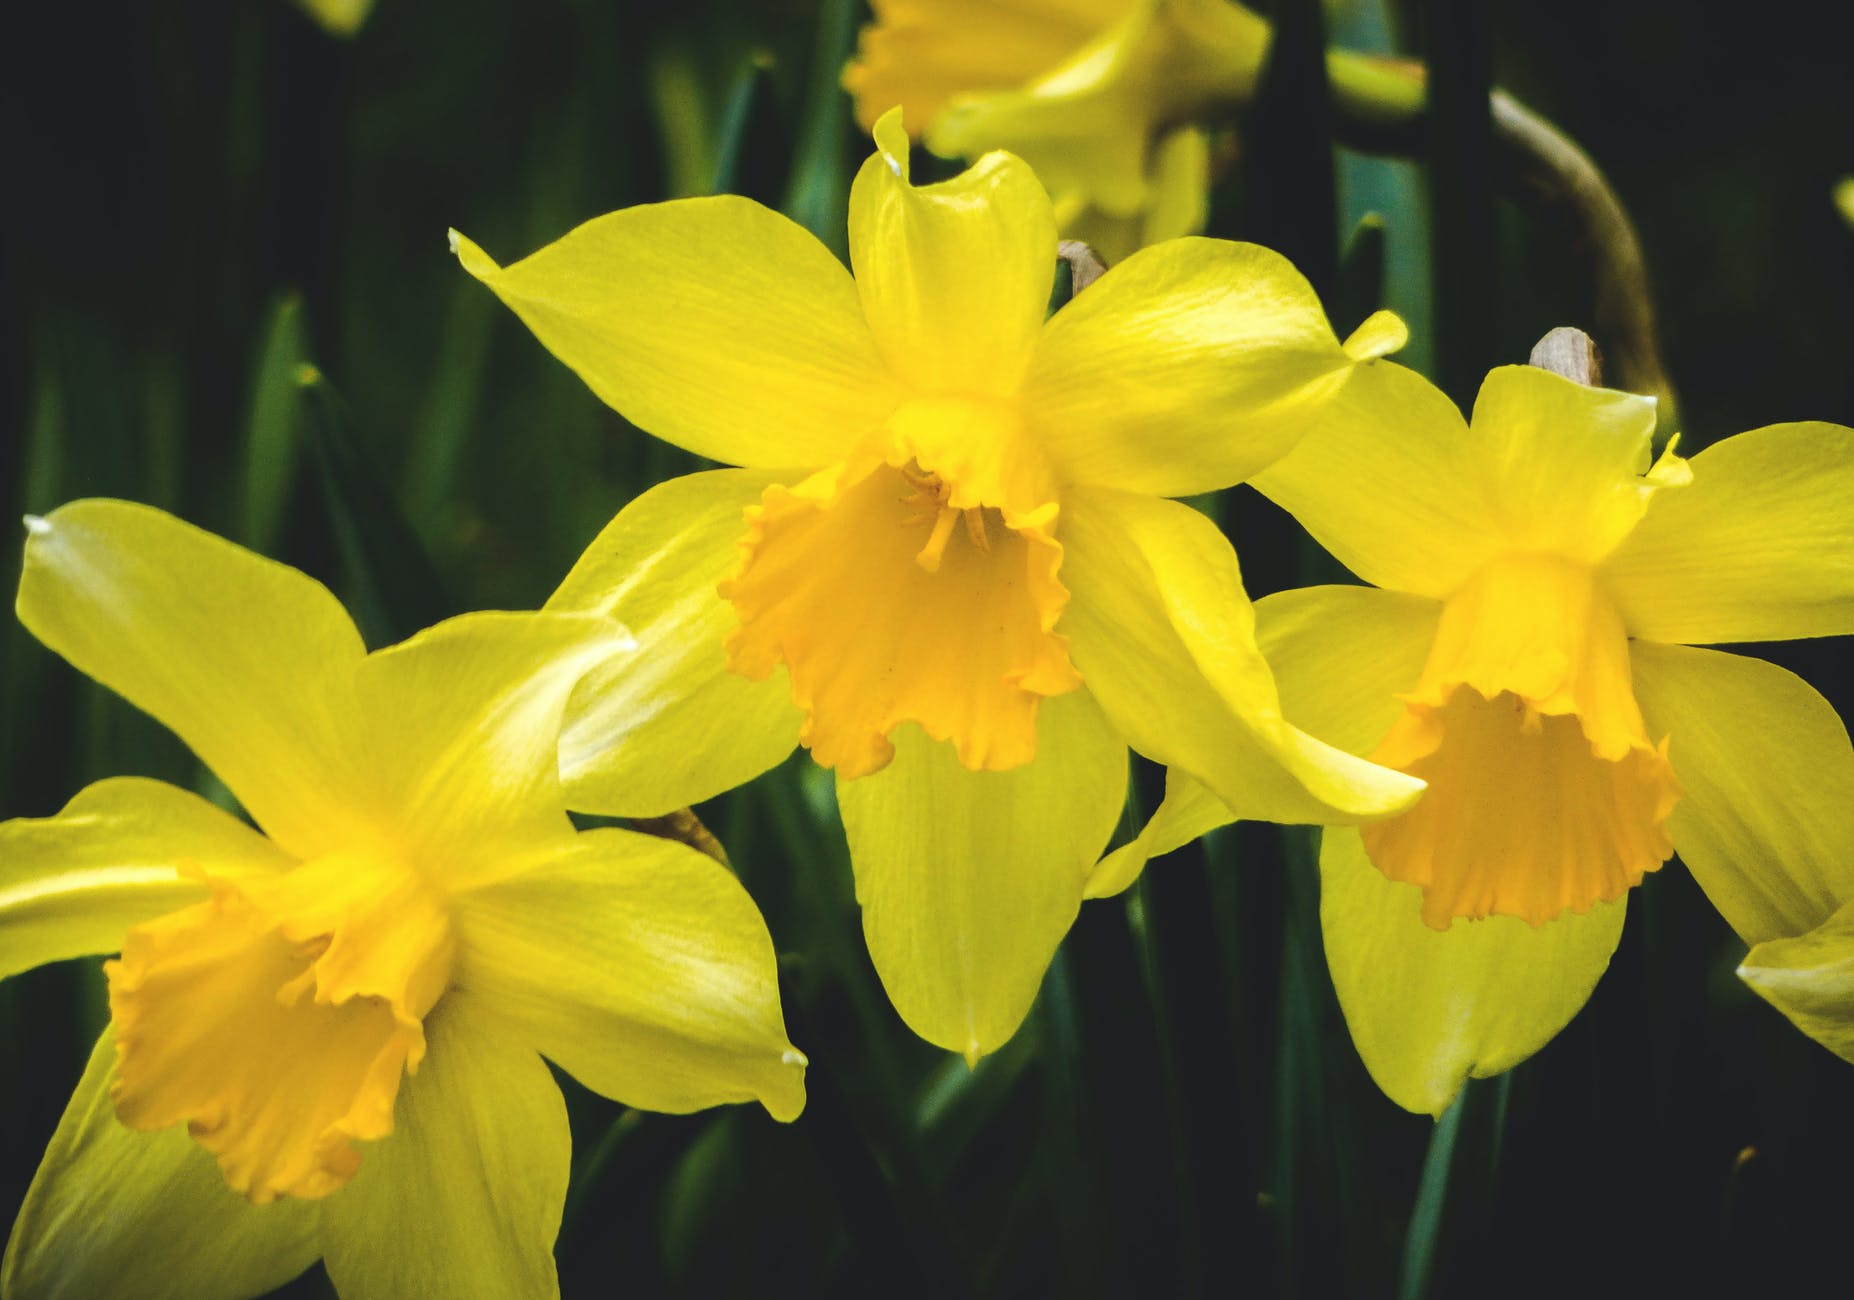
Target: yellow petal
x=1340 y=656
x=1810 y=979
x=670 y=725
x=920 y=53
x=954 y=277
x=123 y=851
x=1188 y=810
x=248 y=661
x=464 y=1199
x=968 y=880
x=1767 y=822
x=1393 y=484
x=1378 y=335
x=641 y=968
x=1185 y=368
x=1385 y=481
x=1164 y=638
x=1759 y=548
x=142 y=1216
x=1343 y=655
x=1429 y=1008
x=1564 y=466
x=888 y=602
x=459 y=728
x=712 y=323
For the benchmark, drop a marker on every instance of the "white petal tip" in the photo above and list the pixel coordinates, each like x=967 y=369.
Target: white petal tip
x=451 y=237
x=37 y=525
x=793 y=1058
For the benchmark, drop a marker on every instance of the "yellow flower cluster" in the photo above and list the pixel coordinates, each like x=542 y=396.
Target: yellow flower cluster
x=947 y=558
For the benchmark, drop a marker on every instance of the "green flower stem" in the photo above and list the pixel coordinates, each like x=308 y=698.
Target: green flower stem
x=397 y=588
x=1455 y=1193
x=1544 y=164
x=1380 y=106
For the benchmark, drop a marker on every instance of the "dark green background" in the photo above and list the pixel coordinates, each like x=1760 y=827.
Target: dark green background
x=201 y=194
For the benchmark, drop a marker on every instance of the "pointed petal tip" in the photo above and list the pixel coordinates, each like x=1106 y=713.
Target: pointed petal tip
x=891 y=139
x=785 y=1101
x=1755 y=974
x=1366 y=791
x=472 y=258
x=1382 y=333
x=972 y=1054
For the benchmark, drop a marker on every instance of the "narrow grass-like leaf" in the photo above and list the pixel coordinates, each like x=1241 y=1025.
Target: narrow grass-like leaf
x=1360 y=287
x=818 y=190
x=397 y=590
x=452 y=400
x=270 y=428
x=745 y=98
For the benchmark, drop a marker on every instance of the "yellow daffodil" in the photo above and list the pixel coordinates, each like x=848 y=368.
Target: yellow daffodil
x=338 y=17
x=327 y=1034
x=1530 y=650
x=948 y=565
x=1098 y=96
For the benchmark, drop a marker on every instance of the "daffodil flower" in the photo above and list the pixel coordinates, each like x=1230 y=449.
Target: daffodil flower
x=948 y=564
x=338 y=17
x=1530 y=649
x=1098 y=96
x=327 y=1034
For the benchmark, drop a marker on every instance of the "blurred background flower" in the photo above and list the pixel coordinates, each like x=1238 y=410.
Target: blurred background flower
x=1104 y=98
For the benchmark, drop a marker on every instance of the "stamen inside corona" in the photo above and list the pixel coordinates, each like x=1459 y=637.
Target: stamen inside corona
x=929 y=502
x=1545 y=792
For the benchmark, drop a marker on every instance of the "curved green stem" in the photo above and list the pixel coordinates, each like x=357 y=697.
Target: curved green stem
x=1559 y=174
x=1378 y=107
